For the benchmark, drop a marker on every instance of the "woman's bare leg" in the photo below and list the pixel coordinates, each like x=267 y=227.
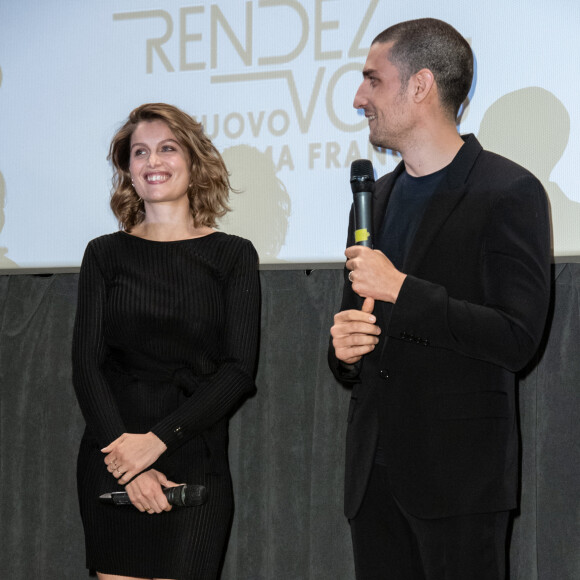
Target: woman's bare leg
x=102 y=576
x=115 y=577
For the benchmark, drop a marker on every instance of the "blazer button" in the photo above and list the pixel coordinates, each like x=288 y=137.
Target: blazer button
x=178 y=432
x=384 y=374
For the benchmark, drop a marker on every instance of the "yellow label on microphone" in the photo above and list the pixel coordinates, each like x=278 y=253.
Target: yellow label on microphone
x=361 y=235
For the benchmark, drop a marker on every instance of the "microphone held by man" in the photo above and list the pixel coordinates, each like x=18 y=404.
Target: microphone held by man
x=362 y=183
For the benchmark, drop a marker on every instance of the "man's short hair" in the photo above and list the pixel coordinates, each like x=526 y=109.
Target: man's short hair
x=435 y=45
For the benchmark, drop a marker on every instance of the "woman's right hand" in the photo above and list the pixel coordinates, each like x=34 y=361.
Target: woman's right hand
x=131 y=453
x=146 y=492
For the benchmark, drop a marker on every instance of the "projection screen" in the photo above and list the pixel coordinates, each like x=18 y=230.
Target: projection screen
x=273 y=83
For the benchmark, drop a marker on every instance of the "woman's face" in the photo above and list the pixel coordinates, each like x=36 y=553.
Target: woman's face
x=159 y=165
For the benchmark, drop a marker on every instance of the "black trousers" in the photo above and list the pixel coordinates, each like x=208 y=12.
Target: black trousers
x=391 y=544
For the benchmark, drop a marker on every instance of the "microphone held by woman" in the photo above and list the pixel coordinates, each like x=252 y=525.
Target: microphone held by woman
x=186 y=495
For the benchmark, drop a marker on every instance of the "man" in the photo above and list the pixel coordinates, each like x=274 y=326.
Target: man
x=456 y=293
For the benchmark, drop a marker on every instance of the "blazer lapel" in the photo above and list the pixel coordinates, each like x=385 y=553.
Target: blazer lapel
x=446 y=197
x=381 y=196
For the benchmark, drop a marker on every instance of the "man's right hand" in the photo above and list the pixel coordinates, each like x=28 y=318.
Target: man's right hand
x=355 y=333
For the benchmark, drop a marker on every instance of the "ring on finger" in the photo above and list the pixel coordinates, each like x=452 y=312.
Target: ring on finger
x=350 y=277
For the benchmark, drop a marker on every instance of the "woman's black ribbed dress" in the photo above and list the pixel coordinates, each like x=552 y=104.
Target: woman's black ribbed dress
x=165 y=340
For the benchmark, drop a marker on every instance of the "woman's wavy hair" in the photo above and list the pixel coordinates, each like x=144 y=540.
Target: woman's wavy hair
x=209 y=185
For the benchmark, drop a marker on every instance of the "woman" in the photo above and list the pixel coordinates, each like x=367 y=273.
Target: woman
x=164 y=349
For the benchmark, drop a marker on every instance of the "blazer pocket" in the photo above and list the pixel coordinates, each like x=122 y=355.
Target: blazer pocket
x=485 y=404
x=357 y=396
x=351 y=409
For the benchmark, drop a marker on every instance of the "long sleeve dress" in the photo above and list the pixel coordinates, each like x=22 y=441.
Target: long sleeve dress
x=165 y=340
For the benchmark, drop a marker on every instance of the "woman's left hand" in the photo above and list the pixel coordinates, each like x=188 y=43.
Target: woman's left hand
x=131 y=453
x=146 y=492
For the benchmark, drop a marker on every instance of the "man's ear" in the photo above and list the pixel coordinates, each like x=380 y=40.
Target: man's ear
x=423 y=84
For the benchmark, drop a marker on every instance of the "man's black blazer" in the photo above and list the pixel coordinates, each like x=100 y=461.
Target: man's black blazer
x=470 y=314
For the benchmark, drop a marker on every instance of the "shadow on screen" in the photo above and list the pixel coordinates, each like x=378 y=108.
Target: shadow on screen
x=5 y=262
x=531 y=127
x=261 y=210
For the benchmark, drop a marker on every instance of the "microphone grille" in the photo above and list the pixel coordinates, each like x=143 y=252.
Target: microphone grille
x=194 y=495
x=362 y=176
x=362 y=170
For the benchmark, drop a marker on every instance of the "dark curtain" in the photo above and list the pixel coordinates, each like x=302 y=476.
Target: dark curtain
x=286 y=443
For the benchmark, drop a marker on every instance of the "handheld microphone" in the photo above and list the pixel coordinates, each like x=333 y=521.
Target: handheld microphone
x=181 y=495
x=362 y=183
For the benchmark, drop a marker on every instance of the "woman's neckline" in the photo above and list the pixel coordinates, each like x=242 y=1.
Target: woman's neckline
x=169 y=241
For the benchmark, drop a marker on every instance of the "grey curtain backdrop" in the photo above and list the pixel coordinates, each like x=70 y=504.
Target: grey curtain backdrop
x=286 y=443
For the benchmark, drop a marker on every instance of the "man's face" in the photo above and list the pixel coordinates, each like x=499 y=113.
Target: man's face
x=385 y=102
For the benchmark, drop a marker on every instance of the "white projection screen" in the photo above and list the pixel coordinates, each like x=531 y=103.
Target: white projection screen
x=273 y=82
